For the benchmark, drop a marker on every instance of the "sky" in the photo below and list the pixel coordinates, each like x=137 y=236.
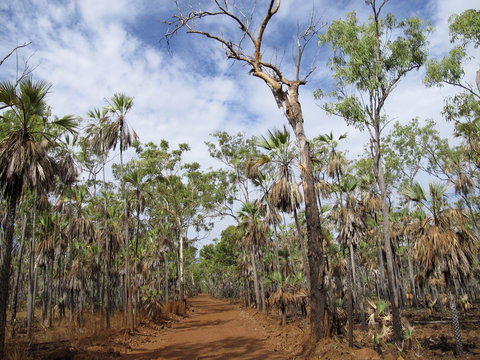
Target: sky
x=90 y=49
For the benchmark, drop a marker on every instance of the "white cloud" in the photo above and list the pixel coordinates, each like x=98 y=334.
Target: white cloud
x=86 y=48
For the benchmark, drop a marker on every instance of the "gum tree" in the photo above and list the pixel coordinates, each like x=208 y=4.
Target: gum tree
x=245 y=43
x=368 y=62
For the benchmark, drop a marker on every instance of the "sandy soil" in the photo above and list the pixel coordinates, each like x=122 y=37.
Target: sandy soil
x=214 y=329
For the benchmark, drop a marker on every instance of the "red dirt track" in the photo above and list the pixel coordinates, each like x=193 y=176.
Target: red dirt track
x=214 y=329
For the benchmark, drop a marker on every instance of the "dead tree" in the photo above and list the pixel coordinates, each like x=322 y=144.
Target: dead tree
x=247 y=49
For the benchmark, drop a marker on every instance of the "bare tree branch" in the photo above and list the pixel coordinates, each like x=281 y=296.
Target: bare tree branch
x=15 y=49
x=286 y=95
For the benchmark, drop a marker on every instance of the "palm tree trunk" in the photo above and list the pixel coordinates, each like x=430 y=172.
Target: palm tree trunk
x=108 y=252
x=275 y=231
x=32 y=273
x=5 y=265
x=262 y=288
x=16 y=283
x=255 y=279
x=350 y=300
x=136 y=287
x=50 y=293
x=455 y=322
x=128 y=290
x=357 y=282
x=302 y=246
x=44 y=294
x=410 y=274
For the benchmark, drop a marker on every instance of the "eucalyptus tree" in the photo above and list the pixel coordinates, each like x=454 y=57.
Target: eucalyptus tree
x=367 y=64
x=25 y=160
x=233 y=152
x=464 y=107
x=245 y=42
x=185 y=193
x=445 y=248
x=409 y=150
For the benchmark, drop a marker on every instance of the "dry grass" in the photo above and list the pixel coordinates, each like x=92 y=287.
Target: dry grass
x=67 y=334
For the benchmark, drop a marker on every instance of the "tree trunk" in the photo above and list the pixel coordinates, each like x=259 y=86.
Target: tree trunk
x=306 y=269
x=394 y=298
x=455 y=322
x=32 y=274
x=410 y=274
x=314 y=231
x=381 y=289
x=5 y=265
x=350 y=300
x=262 y=288
x=16 y=283
x=136 y=287
x=358 y=284
x=181 y=274
x=128 y=289
x=165 y=259
x=44 y=294
x=255 y=279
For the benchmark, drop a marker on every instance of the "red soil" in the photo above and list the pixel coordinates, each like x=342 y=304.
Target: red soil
x=214 y=329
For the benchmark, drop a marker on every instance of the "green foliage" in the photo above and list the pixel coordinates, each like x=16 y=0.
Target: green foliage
x=357 y=63
x=218 y=261
x=381 y=306
x=466 y=27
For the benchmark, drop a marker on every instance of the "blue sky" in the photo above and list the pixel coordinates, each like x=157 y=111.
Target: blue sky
x=89 y=49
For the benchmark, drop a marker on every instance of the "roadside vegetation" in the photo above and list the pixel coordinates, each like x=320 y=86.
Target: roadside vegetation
x=377 y=251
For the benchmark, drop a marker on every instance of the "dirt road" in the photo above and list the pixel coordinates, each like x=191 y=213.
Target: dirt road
x=214 y=329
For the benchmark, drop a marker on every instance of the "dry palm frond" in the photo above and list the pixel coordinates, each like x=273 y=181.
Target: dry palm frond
x=44 y=250
x=285 y=195
x=251 y=168
x=324 y=188
x=77 y=278
x=446 y=247
x=281 y=297
x=153 y=308
x=371 y=202
x=336 y=165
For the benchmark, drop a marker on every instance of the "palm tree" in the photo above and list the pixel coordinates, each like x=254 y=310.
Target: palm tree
x=24 y=160
x=284 y=194
x=117 y=131
x=135 y=178
x=336 y=162
x=445 y=248
x=283 y=296
x=254 y=231
x=97 y=142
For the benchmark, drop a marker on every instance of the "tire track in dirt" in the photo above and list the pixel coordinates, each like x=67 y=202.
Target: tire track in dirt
x=214 y=329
